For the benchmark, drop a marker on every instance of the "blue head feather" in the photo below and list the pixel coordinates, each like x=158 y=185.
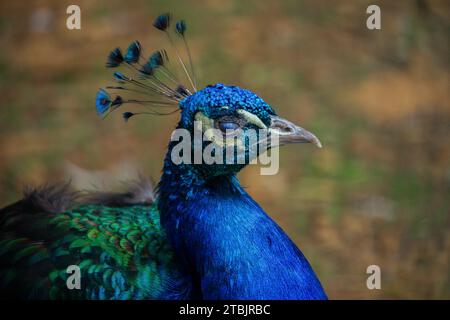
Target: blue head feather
x=208 y=99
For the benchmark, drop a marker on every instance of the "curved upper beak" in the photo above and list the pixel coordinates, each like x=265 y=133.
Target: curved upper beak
x=287 y=132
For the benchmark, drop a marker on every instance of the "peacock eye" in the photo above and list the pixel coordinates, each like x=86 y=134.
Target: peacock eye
x=225 y=126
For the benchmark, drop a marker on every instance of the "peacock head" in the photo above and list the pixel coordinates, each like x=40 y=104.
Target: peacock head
x=221 y=129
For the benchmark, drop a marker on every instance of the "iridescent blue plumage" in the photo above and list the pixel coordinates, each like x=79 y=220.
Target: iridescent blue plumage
x=236 y=250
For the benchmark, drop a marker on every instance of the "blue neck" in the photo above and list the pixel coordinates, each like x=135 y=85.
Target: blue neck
x=227 y=242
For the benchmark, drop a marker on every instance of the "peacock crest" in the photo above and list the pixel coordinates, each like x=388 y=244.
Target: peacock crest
x=148 y=80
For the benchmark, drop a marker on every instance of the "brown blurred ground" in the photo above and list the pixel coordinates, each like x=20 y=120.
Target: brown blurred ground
x=377 y=193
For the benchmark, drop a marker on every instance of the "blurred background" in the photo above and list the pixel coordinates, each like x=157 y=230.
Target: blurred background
x=377 y=193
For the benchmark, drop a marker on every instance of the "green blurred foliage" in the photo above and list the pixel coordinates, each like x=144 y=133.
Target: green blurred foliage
x=377 y=193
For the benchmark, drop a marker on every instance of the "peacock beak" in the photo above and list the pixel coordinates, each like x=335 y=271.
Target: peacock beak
x=288 y=132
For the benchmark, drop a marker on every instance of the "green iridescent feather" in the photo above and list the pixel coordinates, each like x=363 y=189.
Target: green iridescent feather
x=122 y=253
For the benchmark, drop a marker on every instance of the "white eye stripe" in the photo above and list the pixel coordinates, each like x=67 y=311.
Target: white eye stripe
x=251 y=118
x=248 y=116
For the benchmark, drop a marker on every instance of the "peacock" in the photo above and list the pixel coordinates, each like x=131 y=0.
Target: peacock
x=197 y=235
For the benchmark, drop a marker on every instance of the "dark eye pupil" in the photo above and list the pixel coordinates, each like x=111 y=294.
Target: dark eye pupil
x=227 y=125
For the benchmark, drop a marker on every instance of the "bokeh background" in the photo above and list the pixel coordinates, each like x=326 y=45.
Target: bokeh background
x=377 y=193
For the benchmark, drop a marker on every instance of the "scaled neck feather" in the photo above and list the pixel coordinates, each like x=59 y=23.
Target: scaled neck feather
x=229 y=245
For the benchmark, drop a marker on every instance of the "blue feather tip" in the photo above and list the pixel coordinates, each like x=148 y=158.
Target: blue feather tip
x=180 y=27
x=115 y=58
x=102 y=102
x=147 y=69
x=158 y=58
x=154 y=71
x=119 y=76
x=162 y=22
x=133 y=52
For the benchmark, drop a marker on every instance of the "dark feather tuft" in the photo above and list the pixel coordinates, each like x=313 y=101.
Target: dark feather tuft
x=133 y=52
x=162 y=22
x=50 y=198
x=127 y=115
x=182 y=90
x=115 y=58
x=180 y=27
x=117 y=102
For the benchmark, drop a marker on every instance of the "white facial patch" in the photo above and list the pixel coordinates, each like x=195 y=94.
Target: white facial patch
x=213 y=134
